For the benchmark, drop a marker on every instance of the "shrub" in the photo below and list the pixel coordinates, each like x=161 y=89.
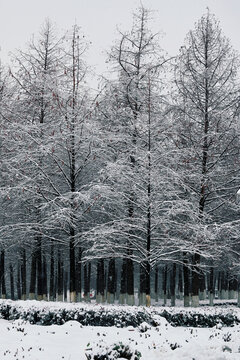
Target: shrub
x=114 y=316
x=116 y=351
x=190 y=319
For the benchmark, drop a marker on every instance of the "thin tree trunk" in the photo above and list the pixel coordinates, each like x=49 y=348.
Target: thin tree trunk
x=44 y=280
x=89 y=279
x=52 y=287
x=222 y=285
x=180 y=282
x=19 y=293
x=123 y=287
x=165 y=269
x=39 y=269
x=232 y=288
x=226 y=284
x=79 y=275
x=211 y=286
x=129 y=261
x=142 y=285
x=72 y=266
x=202 y=286
x=156 y=284
x=85 y=278
x=100 y=281
x=24 y=275
x=149 y=189
x=33 y=278
x=11 y=282
x=60 y=278
x=111 y=281
x=238 y=298
x=130 y=282
x=173 y=284
x=186 y=282
x=65 y=285
x=3 y=286
x=195 y=280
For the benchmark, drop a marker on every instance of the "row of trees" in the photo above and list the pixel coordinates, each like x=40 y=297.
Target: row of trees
x=99 y=190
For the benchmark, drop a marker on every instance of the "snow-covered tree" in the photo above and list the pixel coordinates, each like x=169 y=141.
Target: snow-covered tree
x=72 y=152
x=207 y=138
x=134 y=173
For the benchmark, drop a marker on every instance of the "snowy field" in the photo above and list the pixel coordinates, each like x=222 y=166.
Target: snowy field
x=72 y=341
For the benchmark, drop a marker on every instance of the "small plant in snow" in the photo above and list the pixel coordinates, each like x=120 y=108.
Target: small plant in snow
x=116 y=351
x=174 y=346
x=227 y=337
x=144 y=327
x=226 y=348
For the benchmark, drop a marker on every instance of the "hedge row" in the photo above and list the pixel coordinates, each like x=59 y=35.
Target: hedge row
x=100 y=317
x=190 y=319
x=114 y=316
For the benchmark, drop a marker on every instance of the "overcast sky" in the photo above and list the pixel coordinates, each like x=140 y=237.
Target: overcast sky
x=99 y=18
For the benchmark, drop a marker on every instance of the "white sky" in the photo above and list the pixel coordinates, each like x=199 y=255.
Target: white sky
x=19 y=19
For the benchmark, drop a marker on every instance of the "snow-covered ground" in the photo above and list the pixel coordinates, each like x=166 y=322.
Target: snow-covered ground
x=72 y=341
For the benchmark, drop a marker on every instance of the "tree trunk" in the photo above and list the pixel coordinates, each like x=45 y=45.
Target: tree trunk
x=148 y=283
x=232 y=288
x=32 y=289
x=65 y=286
x=52 y=286
x=44 y=280
x=123 y=287
x=173 y=284
x=202 y=286
x=19 y=293
x=72 y=267
x=164 y=284
x=129 y=261
x=85 y=278
x=111 y=281
x=24 y=275
x=100 y=281
x=156 y=284
x=180 y=282
x=211 y=286
x=11 y=281
x=195 y=280
x=89 y=279
x=2 y=275
x=39 y=269
x=238 y=298
x=142 y=285
x=130 y=282
x=186 y=284
x=60 y=278
x=225 y=285
x=79 y=275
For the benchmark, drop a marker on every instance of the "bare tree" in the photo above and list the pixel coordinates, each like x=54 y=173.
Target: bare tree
x=208 y=138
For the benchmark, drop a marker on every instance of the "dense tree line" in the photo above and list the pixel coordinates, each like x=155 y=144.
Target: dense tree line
x=132 y=189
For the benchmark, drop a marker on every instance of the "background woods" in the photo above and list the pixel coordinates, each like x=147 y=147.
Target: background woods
x=130 y=194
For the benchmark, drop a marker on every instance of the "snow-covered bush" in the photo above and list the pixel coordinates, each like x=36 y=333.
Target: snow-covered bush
x=97 y=316
x=116 y=351
x=194 y=319
x=47 y=313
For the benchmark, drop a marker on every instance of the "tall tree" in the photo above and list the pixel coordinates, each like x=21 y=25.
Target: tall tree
x=133 y=124
x=35 y=72
x=208 y=139
x=71 y=153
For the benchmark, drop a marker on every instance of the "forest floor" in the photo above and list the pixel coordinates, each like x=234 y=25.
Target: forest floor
x=73 y=341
